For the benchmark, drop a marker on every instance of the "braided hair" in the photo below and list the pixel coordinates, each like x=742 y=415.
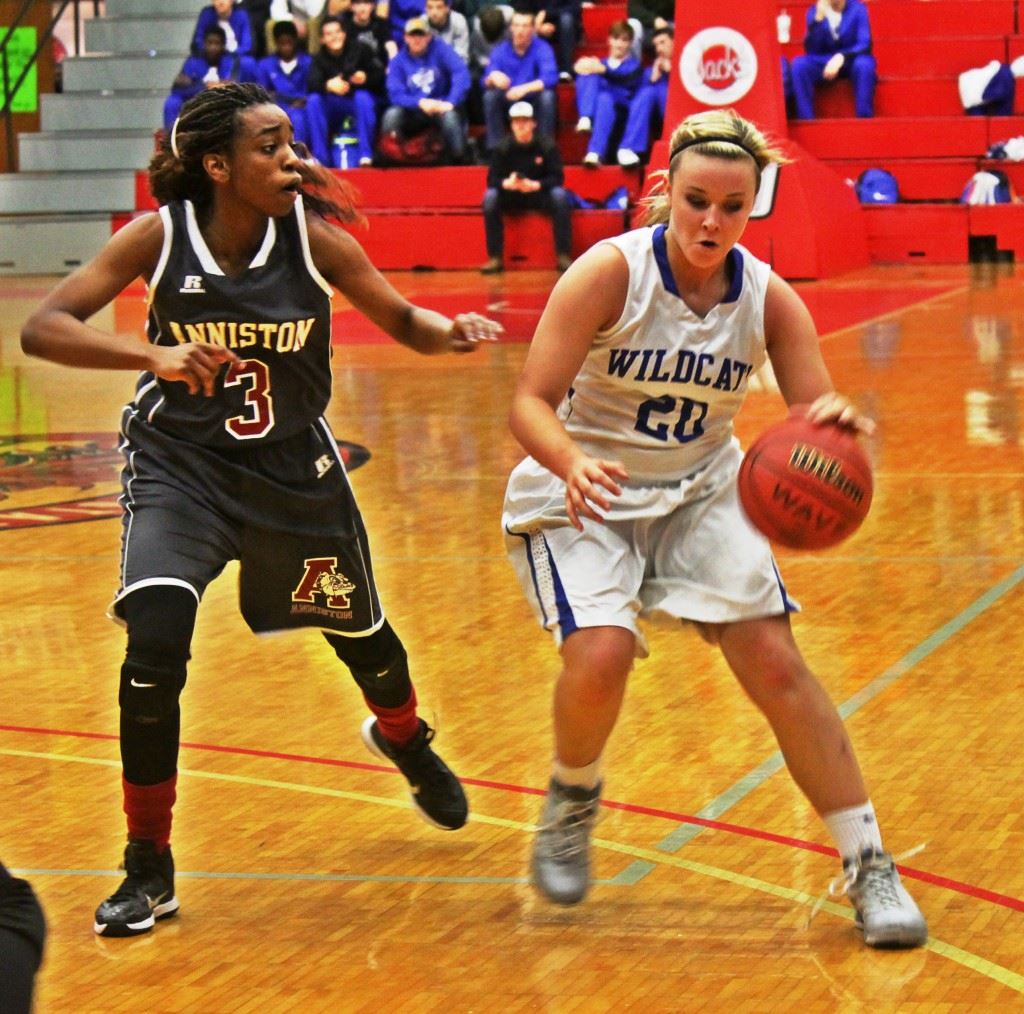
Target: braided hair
x=209 y=122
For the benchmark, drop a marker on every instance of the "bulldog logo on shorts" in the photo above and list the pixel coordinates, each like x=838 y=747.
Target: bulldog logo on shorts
x=324 y=579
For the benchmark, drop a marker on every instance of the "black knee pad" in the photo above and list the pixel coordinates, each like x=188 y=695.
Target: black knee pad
x=378 y=663
x=160 y=620
x=150 y=689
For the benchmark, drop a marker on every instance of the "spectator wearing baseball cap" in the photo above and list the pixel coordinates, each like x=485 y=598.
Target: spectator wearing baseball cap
x=525 y=174
x=427 y=84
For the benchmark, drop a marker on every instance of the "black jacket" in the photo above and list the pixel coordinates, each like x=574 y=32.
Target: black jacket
x=376 y=34
x=355 y=56
x=539 y=160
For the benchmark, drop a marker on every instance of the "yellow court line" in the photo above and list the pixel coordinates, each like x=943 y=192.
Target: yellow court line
x=974 y=962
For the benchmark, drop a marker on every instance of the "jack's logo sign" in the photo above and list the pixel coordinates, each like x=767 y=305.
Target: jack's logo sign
x=718 y=66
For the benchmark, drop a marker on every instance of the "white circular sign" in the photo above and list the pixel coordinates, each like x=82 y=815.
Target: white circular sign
x=718 y=66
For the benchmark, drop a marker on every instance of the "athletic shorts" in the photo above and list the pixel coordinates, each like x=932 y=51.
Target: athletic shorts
x=682 y=550
x=284 y=510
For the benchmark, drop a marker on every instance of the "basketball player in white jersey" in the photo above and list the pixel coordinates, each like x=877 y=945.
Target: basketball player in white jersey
x=627 y=506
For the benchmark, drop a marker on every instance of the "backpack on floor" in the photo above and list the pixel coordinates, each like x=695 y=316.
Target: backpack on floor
x=877 y=186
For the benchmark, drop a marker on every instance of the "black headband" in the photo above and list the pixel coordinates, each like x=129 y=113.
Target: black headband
x=690 y=142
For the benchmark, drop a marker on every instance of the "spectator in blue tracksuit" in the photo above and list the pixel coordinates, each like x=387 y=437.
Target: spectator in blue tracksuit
x=646 y=118
x=522 y=69
x=427 y=83
x=604 y=89
x=214 y=67
x=284 y=76
x=235 y=23
x=344 y=79
x=837 y=44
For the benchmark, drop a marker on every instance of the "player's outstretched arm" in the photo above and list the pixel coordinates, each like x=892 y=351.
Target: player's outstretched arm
x=343 y=262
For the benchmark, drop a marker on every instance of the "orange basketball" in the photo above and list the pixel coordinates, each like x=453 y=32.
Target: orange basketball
x=804 y=485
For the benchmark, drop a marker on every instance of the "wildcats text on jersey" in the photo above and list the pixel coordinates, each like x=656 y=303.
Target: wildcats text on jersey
x=286 y=336
x=664 y=366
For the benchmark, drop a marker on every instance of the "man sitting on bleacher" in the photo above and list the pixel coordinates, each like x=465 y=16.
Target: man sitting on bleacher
x=525 y=174
x=427 y=84
x=213 y=68
x=837 y=44
x=236 y=26
x=646 y=118
x=284 y=75
x=521 y=69
x=343 y=81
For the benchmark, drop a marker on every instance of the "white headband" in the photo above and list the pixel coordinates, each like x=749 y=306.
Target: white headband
x=174 y=138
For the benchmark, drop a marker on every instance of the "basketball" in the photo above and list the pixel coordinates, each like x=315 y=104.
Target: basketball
x=805 y=485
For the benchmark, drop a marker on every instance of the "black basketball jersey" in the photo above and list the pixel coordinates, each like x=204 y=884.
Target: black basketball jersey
x=276 y=316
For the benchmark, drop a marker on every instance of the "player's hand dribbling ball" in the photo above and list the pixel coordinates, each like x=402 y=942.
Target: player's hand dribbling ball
x=806 y=485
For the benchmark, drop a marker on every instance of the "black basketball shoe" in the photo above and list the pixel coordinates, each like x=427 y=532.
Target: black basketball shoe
x=145 y=895
x=436 y=792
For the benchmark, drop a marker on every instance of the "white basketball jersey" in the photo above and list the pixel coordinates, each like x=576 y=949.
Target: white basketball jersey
x=660 y=388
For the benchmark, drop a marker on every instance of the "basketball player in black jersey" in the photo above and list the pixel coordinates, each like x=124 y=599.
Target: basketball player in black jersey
x=227 y=454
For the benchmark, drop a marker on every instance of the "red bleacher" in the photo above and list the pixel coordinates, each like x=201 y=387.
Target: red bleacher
x=920 y=132
x=428 y=218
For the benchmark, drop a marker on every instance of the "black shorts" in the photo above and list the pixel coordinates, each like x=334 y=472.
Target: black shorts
x=285 y=510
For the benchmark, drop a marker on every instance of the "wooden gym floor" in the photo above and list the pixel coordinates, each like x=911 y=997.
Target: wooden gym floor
x=307 y=883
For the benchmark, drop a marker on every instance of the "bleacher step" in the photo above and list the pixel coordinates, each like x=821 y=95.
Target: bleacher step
x=27 y=193
x=50 y=244
x=132 y=110
x=127 y=71
x=141 y=33
x=143 y=8
x=84 y=149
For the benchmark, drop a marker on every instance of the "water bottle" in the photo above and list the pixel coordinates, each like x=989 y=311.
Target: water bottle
x=344 y=151
x=783 y=23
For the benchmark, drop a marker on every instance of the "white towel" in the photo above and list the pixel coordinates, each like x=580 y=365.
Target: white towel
x=973 y=83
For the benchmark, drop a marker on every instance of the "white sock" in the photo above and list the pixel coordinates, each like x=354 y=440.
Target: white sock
x=854 y=830
x=586 y=777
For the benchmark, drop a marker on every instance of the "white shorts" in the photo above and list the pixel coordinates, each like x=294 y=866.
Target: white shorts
x=683 y=551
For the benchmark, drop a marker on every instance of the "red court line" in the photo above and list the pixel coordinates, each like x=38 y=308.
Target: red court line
x=972 y=891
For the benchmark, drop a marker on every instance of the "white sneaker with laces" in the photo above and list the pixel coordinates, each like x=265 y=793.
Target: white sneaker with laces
x=886 y=914
x=626 y=157
x=561 y=853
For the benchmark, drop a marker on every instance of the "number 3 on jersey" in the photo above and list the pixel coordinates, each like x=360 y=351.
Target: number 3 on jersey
x=258 y=419
x=687 y=425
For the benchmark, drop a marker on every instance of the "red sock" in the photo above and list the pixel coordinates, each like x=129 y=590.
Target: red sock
x=399 y=725
x=148 y=808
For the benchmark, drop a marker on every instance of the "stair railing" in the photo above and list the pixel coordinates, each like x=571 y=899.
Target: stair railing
x=9 y=89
